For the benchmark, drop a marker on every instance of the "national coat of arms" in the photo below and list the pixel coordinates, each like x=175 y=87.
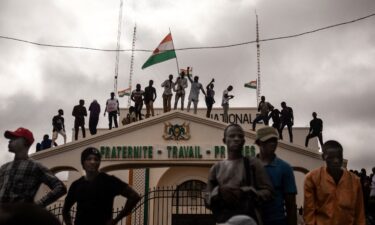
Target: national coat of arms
x=176 y=131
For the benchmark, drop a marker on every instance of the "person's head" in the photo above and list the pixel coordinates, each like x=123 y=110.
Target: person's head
x=276 y=111
x=363 y=171
x=182 y=74
x=46 y=137
x=333 y=155
x=283 y=104
x=263 y=98
x=61 y=112
x=196 y=78
x=138 y=87
x=266 y=139
x=26 y=213
x=81 y=102
x=90 y=159
x=112 y=95
x=240 y=220
x=131 y=109
x=150 y=83
x=373 y=170
x=20 y=140
x=234 y=137
x=314 y=115
x=170 y=77
x=230 y=88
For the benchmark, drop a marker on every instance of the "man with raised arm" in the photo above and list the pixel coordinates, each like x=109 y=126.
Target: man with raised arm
x=225 y=102
x=195 y=89
x=179 y=87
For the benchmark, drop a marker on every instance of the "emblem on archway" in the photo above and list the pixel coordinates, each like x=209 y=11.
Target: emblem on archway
x=176 y=131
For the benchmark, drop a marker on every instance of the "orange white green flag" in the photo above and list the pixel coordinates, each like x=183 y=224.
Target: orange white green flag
x=251 y=84
x=163 y=52
x=124 y=92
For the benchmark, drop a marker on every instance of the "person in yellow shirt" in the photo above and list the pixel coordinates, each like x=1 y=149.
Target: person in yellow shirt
x=333 y=195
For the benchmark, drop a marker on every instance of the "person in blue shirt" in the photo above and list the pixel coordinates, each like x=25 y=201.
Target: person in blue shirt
x=45 y=143
x=282 y=210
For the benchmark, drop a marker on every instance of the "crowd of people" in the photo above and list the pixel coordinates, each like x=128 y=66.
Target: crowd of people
x=241 y=190
x=139 y=98
x=147 y=97
x=93 y=193
x=249 y=190
x=263 y=188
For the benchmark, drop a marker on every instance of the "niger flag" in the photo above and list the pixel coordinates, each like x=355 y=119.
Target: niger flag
x=163 y=52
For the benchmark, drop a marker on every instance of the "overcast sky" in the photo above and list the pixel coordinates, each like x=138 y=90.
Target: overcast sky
x=331 y=72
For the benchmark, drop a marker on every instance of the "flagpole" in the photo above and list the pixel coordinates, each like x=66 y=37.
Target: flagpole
x=132 y=63
x=178 y=68
x=118 y=45
x=258 y=59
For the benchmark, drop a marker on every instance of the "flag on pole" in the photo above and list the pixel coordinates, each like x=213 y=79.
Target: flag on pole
x=252 y=84
x=124 y=92
x=163 y=52
x=185 y=71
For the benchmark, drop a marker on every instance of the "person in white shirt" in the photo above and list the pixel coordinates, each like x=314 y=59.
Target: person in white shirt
x=137 y=97
x=113 y=109
x=167 y=94
x=225 y=102
x=195 y=89
x=179 y=87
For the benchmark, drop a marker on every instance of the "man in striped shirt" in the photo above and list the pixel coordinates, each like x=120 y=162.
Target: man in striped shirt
x=21 y=178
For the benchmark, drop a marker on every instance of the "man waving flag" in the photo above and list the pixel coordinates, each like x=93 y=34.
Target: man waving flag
x=163 y=52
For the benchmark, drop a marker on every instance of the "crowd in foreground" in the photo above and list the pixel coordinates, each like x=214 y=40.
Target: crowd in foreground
x=241 y=190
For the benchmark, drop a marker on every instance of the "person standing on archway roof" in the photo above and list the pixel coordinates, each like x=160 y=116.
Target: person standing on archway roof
x=195 y=89
x=264 y=108
x=112 y=106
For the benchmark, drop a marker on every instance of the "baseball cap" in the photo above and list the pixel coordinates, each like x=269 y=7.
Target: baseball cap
x=266 y=133
x=90 y=151
x=20 y=132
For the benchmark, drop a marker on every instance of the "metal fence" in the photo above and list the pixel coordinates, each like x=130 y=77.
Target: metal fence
x=182 y=205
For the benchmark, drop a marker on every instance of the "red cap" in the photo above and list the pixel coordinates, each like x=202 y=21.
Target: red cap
x=20 y=132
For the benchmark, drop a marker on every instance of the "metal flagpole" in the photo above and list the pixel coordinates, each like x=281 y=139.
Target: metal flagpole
x=178 y=68
x=118 y=45
x=132 y=63
x=258 y=83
